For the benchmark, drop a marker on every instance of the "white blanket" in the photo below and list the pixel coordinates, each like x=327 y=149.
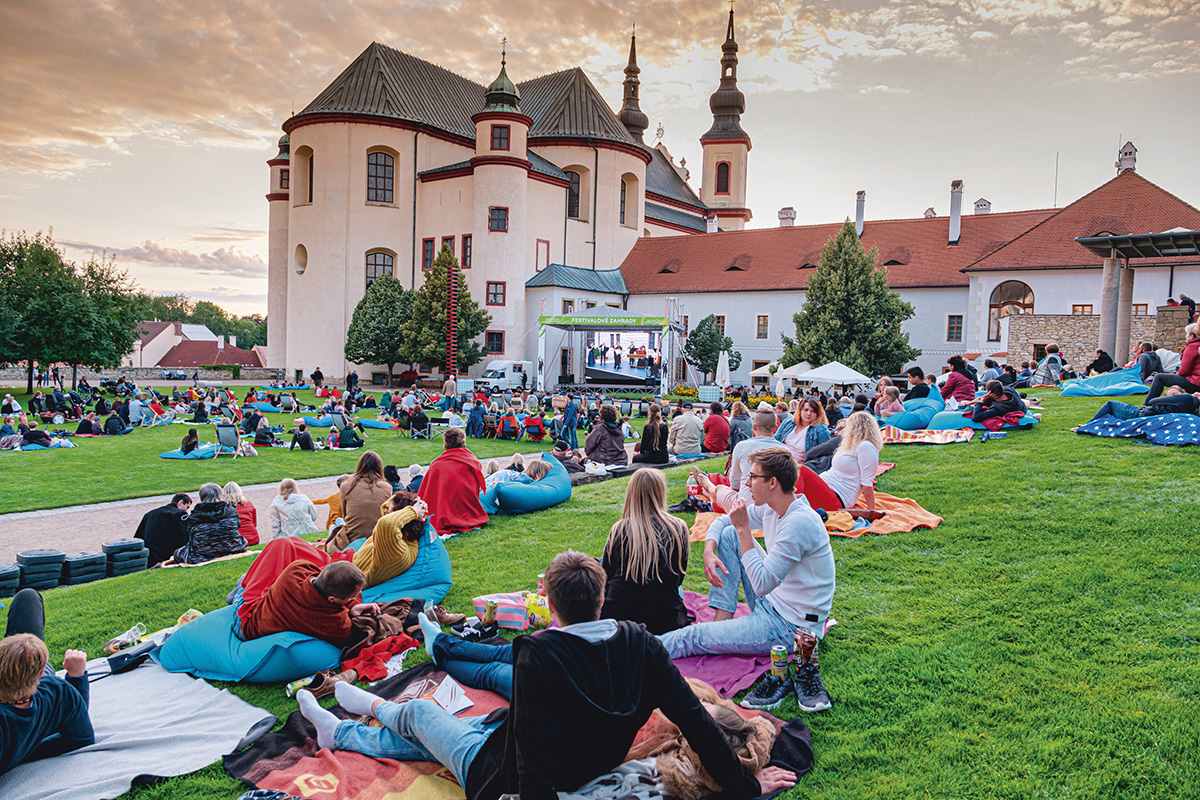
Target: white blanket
x=148 y=722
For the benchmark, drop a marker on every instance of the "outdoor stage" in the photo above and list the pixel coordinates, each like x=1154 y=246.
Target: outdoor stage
x=608 y=374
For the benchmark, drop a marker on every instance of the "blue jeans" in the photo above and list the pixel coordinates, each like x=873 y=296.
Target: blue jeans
x=753 y=635
x=571 y=435
x=1117 y=409
x=419 y=730
x=480 y=666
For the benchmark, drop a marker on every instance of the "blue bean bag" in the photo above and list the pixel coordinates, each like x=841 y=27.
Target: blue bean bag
x=953 y=420
x=427 y=579
x=56 y=445
x=917 y=413
x=378 y=424
x=203 y=451
x=266 y=408
x=208 y=648
x=319 y=422
x=521 y=498
x=1110 y=384
x=299 y=388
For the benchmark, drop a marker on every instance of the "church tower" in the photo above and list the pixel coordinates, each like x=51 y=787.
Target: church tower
x=277 y=254
x=631 y=116
x=726 y=145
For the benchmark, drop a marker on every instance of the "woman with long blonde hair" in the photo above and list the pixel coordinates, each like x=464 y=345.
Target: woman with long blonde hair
x=292 y=513
x=852 y=471
x=646 y=557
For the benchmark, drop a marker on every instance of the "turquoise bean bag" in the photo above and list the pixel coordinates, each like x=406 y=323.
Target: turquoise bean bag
x=521 y=498
x=427 y=579
x=208 y=648
x=319 y=422
x=917 y=413
x=266 y=408
x=299 y=388
x=203 y=451
x=953 y=420
x=378 y=424
x=1111 y=384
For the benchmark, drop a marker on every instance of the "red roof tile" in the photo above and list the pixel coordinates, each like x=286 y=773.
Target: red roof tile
x=775 y=258
x=1127 y=204
x=195 y=354
x=147 y=331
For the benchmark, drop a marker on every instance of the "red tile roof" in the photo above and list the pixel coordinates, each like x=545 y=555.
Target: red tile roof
x=1127 y=204
x=147 y=331
x=776 y=258
x=195 y=354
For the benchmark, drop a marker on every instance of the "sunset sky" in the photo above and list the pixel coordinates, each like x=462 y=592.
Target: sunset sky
x=142 y=127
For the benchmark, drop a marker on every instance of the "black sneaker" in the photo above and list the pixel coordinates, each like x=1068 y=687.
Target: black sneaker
x=769 y=693
x=810 y=689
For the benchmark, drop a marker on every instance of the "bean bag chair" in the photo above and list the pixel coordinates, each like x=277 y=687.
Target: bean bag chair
x=319 y=422
x=521 y=498
x=378 y=424
x=953 y=420
x=1110 y=384
x=267 y=408
x=917 y=413
x=55 y=446
x=203 y=451
x=299 y=388
x=427 y=579
x=208 y=648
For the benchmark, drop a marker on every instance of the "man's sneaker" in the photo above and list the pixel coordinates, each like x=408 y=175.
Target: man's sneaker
x=810 y=689
x=769 y=693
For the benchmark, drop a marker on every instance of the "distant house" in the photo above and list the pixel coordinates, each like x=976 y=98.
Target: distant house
x=179 y=344
x=189 y=355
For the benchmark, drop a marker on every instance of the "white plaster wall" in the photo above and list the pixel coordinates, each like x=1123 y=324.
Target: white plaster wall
x=928 y=327
x=657 y=230
x=502 y=256
x=737 y=155
x=277 y=272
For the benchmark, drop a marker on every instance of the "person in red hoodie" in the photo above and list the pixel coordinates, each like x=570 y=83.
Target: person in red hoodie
x=716 y=430
x=959 y=383
x=452 y=486
x=308 y=599
x=1188 y=377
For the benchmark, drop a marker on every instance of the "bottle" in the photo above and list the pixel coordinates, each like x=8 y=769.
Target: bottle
x=693 y=488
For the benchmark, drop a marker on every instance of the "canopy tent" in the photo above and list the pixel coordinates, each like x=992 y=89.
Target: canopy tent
x=794 y=371
x=606 y=319
x=833 y=374
x=763 y=371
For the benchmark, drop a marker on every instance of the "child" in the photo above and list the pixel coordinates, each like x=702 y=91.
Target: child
x=889 y=403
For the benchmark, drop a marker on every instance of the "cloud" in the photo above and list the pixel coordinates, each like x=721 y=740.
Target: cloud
x=227 y=261
x=226 y=234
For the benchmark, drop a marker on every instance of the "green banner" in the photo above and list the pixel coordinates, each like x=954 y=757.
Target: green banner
x=603 y=322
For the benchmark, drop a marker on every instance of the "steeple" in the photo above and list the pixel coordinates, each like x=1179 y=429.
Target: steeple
x=631 y=115
x=727 y=102
x=502 y=94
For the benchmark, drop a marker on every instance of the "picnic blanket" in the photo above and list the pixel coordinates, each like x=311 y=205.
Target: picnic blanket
x=892 y=435
x=1110 y=384
x=904 y=515
x=1164 y=429
x=149 y=724
x=57 y=444
x=728 y=674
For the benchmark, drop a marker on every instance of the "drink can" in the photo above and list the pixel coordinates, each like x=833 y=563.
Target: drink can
x=296 y=686
x=541 y=584
x=779 y=661
x=489 y=614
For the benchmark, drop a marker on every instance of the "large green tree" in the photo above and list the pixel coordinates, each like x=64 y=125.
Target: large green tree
x=424 y=333
x=705 y=344
x=849 y=313
x=374 y=335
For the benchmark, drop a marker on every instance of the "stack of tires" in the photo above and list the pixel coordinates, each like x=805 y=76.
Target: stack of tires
x=84 y=568
x=125 y=556
x=40 y=569
x=10 y=579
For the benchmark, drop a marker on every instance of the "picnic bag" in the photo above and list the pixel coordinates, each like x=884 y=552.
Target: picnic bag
x=511 y=611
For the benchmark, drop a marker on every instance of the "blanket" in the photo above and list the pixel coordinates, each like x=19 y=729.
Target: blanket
x=1009 y=420
x=149 y=723
x=904 y=515
x=893 y=435
x=57 y=443
x=451 y=488
x=1164 y=429
x=728 y=674
x=1110 y=384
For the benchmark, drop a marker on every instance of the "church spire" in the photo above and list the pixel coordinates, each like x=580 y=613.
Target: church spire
x=631 y=115
x=727 y=102
x=502 y=94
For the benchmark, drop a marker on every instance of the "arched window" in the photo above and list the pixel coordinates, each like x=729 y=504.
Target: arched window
x=378 y=264
x=301 y=259
x=722 y=177
x=624 y=192
x=1010 y=297
x=573 y=194
x=381 y=171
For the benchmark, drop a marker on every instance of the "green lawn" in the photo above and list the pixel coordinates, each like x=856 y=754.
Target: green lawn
x=127 y=466
x=1042 y=642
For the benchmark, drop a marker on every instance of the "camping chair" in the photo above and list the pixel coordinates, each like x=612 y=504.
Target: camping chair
x=510 y=428
x=339 y=422
x=416 y=431
x=489 y=426
x=644 y=409
x=626 y=408
x=228 y=442
x=535 y=428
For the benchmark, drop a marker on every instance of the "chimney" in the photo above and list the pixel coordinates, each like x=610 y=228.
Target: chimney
x=220 y=342
x=232 y=340
x=860 y=209
x=787 y=217
x=930 y=213
x=983 y=206
x=956 y=189
x=1127 y=158
x=711 y=223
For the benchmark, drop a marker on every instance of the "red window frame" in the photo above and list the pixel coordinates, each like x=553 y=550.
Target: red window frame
x=507 y=136
x=466 y=251
x=486 y=336
x=427 y=253
x=491 y=219
x=717 y=177
x=449 y=239
x=487 y=294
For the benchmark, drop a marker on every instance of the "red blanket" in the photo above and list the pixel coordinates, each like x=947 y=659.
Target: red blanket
x=1011 y=419
x=451 y=489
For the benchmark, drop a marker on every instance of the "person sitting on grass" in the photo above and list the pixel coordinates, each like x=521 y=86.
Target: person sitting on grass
x=561 y=681
x=302 y=438
x=716 y=430
x=190 y=442
x=764 y=437
x=452 y=485
x=247 y=514
x=35 y=436
x=87 y=426
x=805 y=429
x=291 y=513
x=997 y=401
x=1188 y=376
x=960 y=384
x=605 y=443
x=306 y=599
x=164 y=529
x=789 y=586
x=652 y=449
x=8 y=428
x=1148 y=362
x=687 y=433
x=416 y=474
x=41 y=715
x=570 y=459
x=212 y=529
x=264 y=436
x=10 y=405
x=1175 y=401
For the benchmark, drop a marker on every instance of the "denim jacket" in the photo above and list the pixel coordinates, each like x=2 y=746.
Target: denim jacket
x=817 y=434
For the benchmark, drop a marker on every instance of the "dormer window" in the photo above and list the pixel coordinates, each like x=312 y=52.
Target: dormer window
x=500 y=137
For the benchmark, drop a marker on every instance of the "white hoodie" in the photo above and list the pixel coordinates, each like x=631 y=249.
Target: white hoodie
x=294 y=515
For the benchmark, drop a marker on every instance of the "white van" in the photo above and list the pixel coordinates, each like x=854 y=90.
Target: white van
x=501 y=375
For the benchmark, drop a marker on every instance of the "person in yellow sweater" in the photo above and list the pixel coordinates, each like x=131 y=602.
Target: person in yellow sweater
x=334 y=501
x=392 y=547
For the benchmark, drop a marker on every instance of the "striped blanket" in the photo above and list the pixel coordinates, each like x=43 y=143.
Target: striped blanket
x=893 y=435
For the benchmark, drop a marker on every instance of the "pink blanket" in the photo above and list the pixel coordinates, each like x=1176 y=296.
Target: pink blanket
x=726 y=673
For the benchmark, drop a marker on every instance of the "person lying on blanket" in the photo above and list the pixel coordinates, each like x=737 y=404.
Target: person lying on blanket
x=561 y=681
x=41 y=715
x=789 y=586
x=307 y=599
x=997 y=401
x=1175 y=401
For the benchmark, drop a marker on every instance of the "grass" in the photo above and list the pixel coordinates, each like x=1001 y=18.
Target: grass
x=122 y=467
x=1042 y=642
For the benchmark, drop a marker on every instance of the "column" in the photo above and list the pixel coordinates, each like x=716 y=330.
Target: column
x=1108 y=306
x=1120 y=353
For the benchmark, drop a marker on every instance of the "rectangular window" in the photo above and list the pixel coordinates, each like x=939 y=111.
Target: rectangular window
x=623 y=185
x=1039 y=352
x=466 y=253
x=499 y=137
x=285 y=177
x=426 y=253
x=568 y=306
x=757 y=381
x=760 y=331
x=495 y=293
x=541 y=258
x=311 y=159
x=613 y=305
x=498 y=219
x=954 y=324
x=589 y=304
x=1081 y=309
x=573 y=194
x=1140 y=309
x=381 y=173
x=493 y=342
x=721 y=325
x=564 y=362
x=448 y=241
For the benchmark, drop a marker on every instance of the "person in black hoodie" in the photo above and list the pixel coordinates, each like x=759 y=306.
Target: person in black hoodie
x=212 y=529
x=917 y=387
x=997 y=401
x=164 y=529
x=581 y=692
x=113 y=426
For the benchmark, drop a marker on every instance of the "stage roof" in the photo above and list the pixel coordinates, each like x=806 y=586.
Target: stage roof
x=603 y=318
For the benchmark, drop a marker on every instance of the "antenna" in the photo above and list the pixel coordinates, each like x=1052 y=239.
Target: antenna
x=1056 y=179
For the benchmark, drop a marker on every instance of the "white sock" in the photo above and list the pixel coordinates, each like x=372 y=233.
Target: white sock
x=324 y=721
x=431 y=630
x=354 y=699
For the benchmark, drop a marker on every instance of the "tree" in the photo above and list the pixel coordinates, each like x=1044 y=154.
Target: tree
x=849 y=313
x=424 y=333
x=705 y=344
x=374 y=335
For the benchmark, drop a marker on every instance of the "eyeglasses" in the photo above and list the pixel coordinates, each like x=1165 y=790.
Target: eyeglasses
x=751 y=476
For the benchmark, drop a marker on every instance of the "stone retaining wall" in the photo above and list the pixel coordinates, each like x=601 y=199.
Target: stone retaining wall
x=16 y=376
x=1076 y=335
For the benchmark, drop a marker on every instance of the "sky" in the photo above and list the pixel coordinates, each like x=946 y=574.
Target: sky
x=141 y=128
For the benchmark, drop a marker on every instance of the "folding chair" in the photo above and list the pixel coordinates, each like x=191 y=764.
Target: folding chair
x=535 y=428
x=626 y=408
x=228 y=441
x=339 y=422
x=509 y=427
x=489 y=426
x=644 y=409
x=418 y=432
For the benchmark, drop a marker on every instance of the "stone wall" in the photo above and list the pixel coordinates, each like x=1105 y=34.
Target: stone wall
x=1076 y=335
x=16 y=376
x=1168 y=330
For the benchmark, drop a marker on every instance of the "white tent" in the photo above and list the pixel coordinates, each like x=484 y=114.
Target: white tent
x=834 y=374
x=794 y=371
x=723 y=369
x=763 y=371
